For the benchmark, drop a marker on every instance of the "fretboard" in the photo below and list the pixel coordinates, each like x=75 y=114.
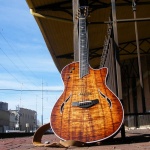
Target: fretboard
x=83 y=48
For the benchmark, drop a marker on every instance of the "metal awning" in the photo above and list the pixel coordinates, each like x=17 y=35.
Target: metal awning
x=55 y=20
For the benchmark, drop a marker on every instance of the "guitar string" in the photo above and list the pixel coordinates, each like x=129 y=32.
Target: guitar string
x=83 y=66
x=88 y=116
x=84 y=63
x=81 y=70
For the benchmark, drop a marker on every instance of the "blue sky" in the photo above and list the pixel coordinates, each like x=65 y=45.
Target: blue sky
x=25 y=62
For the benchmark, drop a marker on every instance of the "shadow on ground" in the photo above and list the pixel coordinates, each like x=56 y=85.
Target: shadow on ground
x=129 y=139
x=134 y=138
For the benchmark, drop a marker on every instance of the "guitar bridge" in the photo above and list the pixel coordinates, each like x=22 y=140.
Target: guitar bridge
x=86 y=103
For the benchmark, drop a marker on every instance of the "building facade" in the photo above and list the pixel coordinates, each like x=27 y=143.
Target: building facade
x=3 y=106
x=4 y=120
x=4 y=117
x=26 y=119
x=20 y=119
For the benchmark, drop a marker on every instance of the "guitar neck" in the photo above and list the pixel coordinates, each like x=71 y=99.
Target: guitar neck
x=83 y=48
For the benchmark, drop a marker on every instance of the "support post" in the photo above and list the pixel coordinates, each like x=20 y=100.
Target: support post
x=118 y=70
x=75 y=6
x=139 y=58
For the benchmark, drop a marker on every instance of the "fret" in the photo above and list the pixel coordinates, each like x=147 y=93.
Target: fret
x=83 y=48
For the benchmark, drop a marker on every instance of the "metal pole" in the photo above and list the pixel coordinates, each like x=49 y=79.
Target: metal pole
x=75 y=6
x=49 y=17
x=36 y=115
x=42 y=104
x=118 y=70
x=123 y=20
x=139 y=59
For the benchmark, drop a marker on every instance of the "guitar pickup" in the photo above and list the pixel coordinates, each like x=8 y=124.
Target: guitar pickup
x=85 y=103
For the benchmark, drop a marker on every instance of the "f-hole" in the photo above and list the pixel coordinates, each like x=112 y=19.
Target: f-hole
x=106 y=98
x=63 y=104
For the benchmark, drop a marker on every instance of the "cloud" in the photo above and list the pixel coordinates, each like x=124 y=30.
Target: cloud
x=34 y=102
x=27 y=63
x=8 y=82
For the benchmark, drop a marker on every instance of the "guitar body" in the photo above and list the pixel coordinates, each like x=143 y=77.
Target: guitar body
x=87 y=110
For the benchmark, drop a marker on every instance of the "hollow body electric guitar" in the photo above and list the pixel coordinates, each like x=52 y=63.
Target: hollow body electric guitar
x=87 y=110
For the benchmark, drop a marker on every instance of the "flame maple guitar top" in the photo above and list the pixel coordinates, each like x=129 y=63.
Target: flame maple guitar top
x=87 y=110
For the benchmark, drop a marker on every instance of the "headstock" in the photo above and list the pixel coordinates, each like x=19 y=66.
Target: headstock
x=83 y=12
